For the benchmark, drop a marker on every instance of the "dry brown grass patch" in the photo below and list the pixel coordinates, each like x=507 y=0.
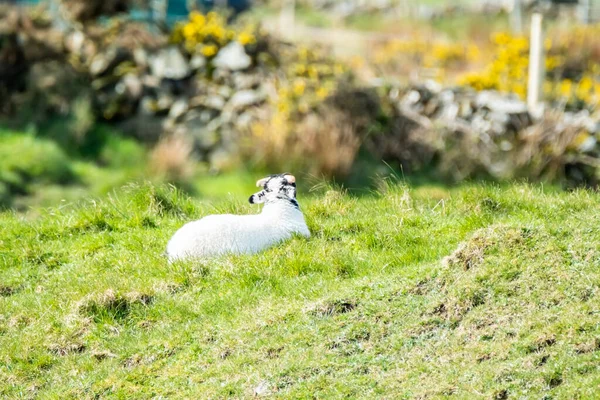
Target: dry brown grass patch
x=471 y=253
x=111 y=304
x=172 y=159
x=323 y=144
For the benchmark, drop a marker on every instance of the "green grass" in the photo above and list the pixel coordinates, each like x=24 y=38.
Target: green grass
x=312 y=17
x=25 y=160
x=369 y=307
x=35 y=171
x=455 y=26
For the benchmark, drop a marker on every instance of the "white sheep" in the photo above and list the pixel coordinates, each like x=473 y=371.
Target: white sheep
x=215 y=235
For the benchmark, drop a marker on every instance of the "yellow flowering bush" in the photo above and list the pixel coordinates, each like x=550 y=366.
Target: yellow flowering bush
x=400 y=56
x=309 y=78
x=572 y=63
x=206 y=34
x=508 y=71
x=432 y=54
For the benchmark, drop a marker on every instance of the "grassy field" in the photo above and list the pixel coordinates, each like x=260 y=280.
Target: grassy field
x=456 y=26
x=407 y=292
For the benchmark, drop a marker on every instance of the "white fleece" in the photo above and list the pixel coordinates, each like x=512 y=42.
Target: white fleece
x=216 y=235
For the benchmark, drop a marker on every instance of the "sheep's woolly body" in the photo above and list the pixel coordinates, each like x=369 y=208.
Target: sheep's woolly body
x=217 y=235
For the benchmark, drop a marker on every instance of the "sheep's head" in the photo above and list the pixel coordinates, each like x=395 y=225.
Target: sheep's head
x=275 y=188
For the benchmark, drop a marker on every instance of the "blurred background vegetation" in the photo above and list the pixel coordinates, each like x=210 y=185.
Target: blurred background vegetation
x=95 y=94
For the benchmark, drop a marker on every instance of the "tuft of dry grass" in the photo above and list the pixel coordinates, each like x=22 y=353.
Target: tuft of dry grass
x=108 y=305
x=549 y=150
x=471 y=253
x=333 y=307
x=323 y=144
x=332 y=141
x=171 y=158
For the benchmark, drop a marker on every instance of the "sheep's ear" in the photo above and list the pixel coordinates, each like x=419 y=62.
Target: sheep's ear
x=257 y=198
x=261 y=182
x=290 y=178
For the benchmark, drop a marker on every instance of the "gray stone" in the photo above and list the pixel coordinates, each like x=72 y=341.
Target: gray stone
x=465 y=109
x=133 y=85
x=246 y=81
x=499 y=117
x=232 y=57
x=140 y=56
x=447 y=97
x=120 y=88
x=225 y=92
x=412 y=98
x=243 y=121
x=480 y=124
x=244 y=99
x=169 y=125
x=103 y=61
x=206 y=139
x=450 y=112
x=178 y=108
x=169 y=63
x=227 y=116
x=206 y=116
x=197 y=62
x=433 y=86
x=74 y=41
x=148 y=106
x=205 y=134
x=500 y=103
x=221 y=76
x=151 y=81
x=215 y=102
x=582 y=119
x=164 y=102
x=505 y=145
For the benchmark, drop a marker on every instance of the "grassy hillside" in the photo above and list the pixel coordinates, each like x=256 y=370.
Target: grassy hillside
x=424 y=292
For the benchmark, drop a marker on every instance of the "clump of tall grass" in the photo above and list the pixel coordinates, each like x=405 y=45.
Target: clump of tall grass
x=171 y=159
x=324 y=142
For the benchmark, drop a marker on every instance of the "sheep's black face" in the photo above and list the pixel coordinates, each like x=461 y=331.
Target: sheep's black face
x=276 y=188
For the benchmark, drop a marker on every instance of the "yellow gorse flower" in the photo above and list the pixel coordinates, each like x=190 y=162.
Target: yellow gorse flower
x=299 y=86
x=209 y=50
x=322 y=93
x=508 y=71
x=246 y=38
x=207 y=33
x=436 y=56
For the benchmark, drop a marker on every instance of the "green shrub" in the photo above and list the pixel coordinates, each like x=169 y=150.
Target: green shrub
x=75 y=143
x=121 y=152
x=25 y=159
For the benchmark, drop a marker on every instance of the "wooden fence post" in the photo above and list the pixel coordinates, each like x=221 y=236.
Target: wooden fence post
x=536 y=63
